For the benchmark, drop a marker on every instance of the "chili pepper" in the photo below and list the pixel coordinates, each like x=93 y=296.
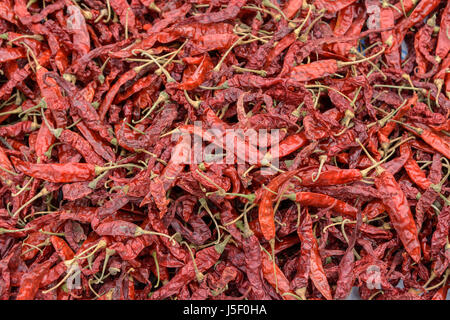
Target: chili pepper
x=6 y=12
x=412 y=168
x=265 y=212
x=389 y=37
x=253 y=262
x=292 y=7
x=61 y=247
x=44 y=140
x=109 y=98
x=434 y=140
x=399 y=212
x=332 y=6
x=204 y=259
x=418 y=14
x=31 y=280
x=76 y=23
x=285 y=147
x=18 y=129
x=310 y=178
x=443 y=43
x=84 y=109
x=323 y=201
x=11 y=54
x=76 y=141
x=99 y=147
x=319 y=69
x=373 y=209
x=387 y=128
x=61 y=172
x=196 y=77
x=317 y=273
x=275 y=277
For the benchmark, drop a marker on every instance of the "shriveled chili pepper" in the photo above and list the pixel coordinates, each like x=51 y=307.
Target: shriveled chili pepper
x=399 y=212
x=204 y=259
x=323 y=201
x=316 y=273
x=413 y=169
x=60 y=172
x=265 y=212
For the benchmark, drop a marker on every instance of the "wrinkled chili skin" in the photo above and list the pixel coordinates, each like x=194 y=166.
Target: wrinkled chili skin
x=224 y=150
x=397 y=206
x=58 y=173
x=265 y=212
x=205 y=259
x=323 y=201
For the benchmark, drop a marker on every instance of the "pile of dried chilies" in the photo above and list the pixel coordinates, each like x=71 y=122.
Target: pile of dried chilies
x=98 y=200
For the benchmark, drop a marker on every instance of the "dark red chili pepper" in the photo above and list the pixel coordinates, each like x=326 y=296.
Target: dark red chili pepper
x=316 y=271
x=399 y=212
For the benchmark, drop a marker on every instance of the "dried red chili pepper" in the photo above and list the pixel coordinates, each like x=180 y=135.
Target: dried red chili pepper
x=399 y=212
x=94 y=175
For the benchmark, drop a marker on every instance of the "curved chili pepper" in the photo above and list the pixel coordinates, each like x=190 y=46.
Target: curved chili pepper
x=204 y=259
x=389 y=37
x=275 y=277
x=62 y=248
x=316 y=271
x=57 y=172
x=265 y=212
x=29 y=285
x=397 y=207
x=412 y=168
x=386 y=130
x=324 y=201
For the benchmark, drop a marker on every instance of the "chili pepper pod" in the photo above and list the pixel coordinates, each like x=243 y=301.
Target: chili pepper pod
x=62 y=172
x=204 y=259
x=389 y=126
x=437 y=141
x=275 y=277
x=389 y=37
x=321 y=68
x=443 y=43
x=412 y=168
x=310 y=248
x=265 y=211
x=399 y=212
x=253 y=261
x=284 y=148
x=83 y=108
x=7 y=171
x=323 y=201
x=373 y=209
x=62 y=248
x=76 y=141
x=32 y=279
